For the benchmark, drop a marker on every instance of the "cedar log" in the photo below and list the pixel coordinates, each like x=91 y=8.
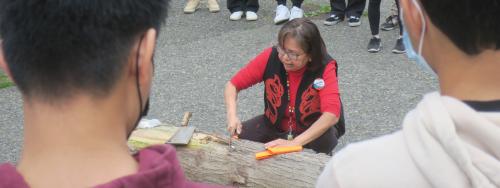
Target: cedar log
x=208 y=158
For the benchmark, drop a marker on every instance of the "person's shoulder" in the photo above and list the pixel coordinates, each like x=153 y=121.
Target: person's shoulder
x=9 y=177
x=385 y=146
x=267 y=52
x=162 y=153
x=263 y=57
x=331 y=66
x=330 y=69
x=379 y=162
x=158 y=167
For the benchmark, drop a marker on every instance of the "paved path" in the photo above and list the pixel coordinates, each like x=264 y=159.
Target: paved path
x=198 y=53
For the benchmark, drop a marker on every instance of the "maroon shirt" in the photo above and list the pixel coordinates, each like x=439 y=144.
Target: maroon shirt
x=158 y=167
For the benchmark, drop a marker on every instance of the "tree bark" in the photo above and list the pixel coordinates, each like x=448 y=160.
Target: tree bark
x=208 y=158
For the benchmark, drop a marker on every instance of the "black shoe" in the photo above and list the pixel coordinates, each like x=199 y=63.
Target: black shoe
x=333 y=19
x=354 y=21
x=399 y=48
x=389 y=24
x=375 y=45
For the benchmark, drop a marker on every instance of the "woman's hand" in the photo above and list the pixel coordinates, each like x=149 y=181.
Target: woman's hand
x=282 y=142
x=234 y=125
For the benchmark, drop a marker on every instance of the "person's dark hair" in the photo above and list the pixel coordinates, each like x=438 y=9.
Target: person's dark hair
x=472 y=26
x=306 y=33
x=55 y=48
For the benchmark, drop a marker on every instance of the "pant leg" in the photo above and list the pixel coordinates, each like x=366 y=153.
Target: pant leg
x=325 y=143
x=252 y=5
x=297 y=3
x=234 y=5
x=338 y=7
x=355 y=8
x=399 y=19
x=256 y=129
x=395 y=9
x=374 y=15
x=281 y=2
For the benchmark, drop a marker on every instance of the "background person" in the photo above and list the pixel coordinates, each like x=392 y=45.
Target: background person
x=339 y=11
x=283 y=14
x=375 y=44
x=192 y=6
x=238 y=8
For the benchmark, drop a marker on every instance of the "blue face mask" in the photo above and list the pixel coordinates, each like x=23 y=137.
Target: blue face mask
x=410 y=52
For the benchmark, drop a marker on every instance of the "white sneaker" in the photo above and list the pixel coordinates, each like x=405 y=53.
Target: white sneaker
x=282 y=14
x=296 y=12
x=236 y=15
x=251 y=16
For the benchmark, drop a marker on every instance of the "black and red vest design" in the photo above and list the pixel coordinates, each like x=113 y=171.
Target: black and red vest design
x=307 y=103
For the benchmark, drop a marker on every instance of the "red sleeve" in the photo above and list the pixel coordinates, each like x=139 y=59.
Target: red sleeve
x=329 y=95
x=253 y=72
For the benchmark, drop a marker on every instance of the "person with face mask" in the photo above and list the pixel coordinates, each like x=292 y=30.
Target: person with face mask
x=84 y=69
x=451 y=138
x=301 y=95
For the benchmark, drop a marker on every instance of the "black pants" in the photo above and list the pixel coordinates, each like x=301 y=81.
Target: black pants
x=354 y=8
x=296 y=3
x=257 y=130
x=374 y=16
x=243 y=5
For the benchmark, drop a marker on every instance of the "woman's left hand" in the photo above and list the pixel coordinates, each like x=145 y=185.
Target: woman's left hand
x=281 y=142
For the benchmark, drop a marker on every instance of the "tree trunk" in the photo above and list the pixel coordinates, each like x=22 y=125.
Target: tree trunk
x=208 y=158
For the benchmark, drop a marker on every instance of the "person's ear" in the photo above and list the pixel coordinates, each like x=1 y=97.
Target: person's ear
x=412 y=18
x=146 y=59
x=141 y=64
x=3 y=63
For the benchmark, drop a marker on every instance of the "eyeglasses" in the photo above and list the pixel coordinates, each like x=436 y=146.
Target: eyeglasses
x=291 y=55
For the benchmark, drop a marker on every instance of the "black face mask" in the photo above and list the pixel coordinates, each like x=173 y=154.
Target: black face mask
x=146 y=109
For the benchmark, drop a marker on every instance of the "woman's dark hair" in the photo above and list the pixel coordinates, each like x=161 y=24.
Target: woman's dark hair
x=306 y=33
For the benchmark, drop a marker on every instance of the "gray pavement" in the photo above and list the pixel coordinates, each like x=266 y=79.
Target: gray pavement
x=198 y=53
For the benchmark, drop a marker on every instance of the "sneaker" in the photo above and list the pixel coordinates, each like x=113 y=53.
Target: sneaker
x=282 y=14
x=296 y=12
x=236 y=15
x=389 y=24
x=191 y=6
x=251 y=16
x=333 y=19
x=354 y=21
x=375 y=45
x=399 y=48
x=213 y=6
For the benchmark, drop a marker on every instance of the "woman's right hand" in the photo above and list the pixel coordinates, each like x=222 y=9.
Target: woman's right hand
x=234 y=125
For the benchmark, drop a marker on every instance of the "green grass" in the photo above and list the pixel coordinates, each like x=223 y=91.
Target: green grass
x=4 y=81
x=365 y=14
x=322 y=10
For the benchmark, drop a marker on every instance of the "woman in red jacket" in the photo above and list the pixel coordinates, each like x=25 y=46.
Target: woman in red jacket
x=301 y=95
